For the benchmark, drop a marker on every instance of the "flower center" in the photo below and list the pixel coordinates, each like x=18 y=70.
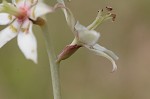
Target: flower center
x=23 y=13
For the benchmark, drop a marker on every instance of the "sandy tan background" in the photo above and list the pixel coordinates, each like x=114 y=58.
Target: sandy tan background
x=85 y=75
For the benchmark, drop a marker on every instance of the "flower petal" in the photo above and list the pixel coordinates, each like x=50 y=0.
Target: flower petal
x=68 y=15
x=109 y=52
x=26 y=3
x=18 y=2
x=6 y=18
x=27 y=41
x=9 y=33
x=31 y=3
x=99 y=50
x=85 y=36
x=40 y=9
x=71 y=21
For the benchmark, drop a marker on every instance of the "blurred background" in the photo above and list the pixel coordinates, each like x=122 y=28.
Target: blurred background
x=85 y=75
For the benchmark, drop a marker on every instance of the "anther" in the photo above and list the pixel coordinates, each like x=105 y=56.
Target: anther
x=108 y=8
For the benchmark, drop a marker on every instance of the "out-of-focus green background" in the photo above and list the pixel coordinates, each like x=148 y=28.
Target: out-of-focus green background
x=85 y=75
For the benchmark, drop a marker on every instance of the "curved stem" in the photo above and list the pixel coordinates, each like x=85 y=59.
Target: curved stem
x=54 y=67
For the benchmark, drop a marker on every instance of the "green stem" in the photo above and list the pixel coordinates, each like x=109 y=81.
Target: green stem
x=54 y=67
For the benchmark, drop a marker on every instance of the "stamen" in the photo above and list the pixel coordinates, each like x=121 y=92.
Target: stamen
x=13 y=29
x=113 y=17
x=39 y=21
x=108 y=8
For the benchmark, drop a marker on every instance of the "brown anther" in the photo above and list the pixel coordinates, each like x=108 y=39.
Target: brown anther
x=108 y=8
x=39 y=21
x=113 y=17
x=100 y=10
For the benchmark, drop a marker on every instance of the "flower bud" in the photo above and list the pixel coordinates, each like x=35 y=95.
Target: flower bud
x=67 y=52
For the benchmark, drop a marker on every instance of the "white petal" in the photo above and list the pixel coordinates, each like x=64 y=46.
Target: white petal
x=31 y=3
x=109 y=52
x=6 y=18
x=18 y=2
x=69 y=17
x=24 y=3
x=27 y=42
x=9 y=33
x=97 y=49
x=89 y=37
x=80 y=27
x=40 y=9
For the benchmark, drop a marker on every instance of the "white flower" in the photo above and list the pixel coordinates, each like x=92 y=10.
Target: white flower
x=87 y=37
x=18 y=16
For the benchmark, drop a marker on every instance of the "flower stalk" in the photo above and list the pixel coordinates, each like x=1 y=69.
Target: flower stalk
x=54 y=66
